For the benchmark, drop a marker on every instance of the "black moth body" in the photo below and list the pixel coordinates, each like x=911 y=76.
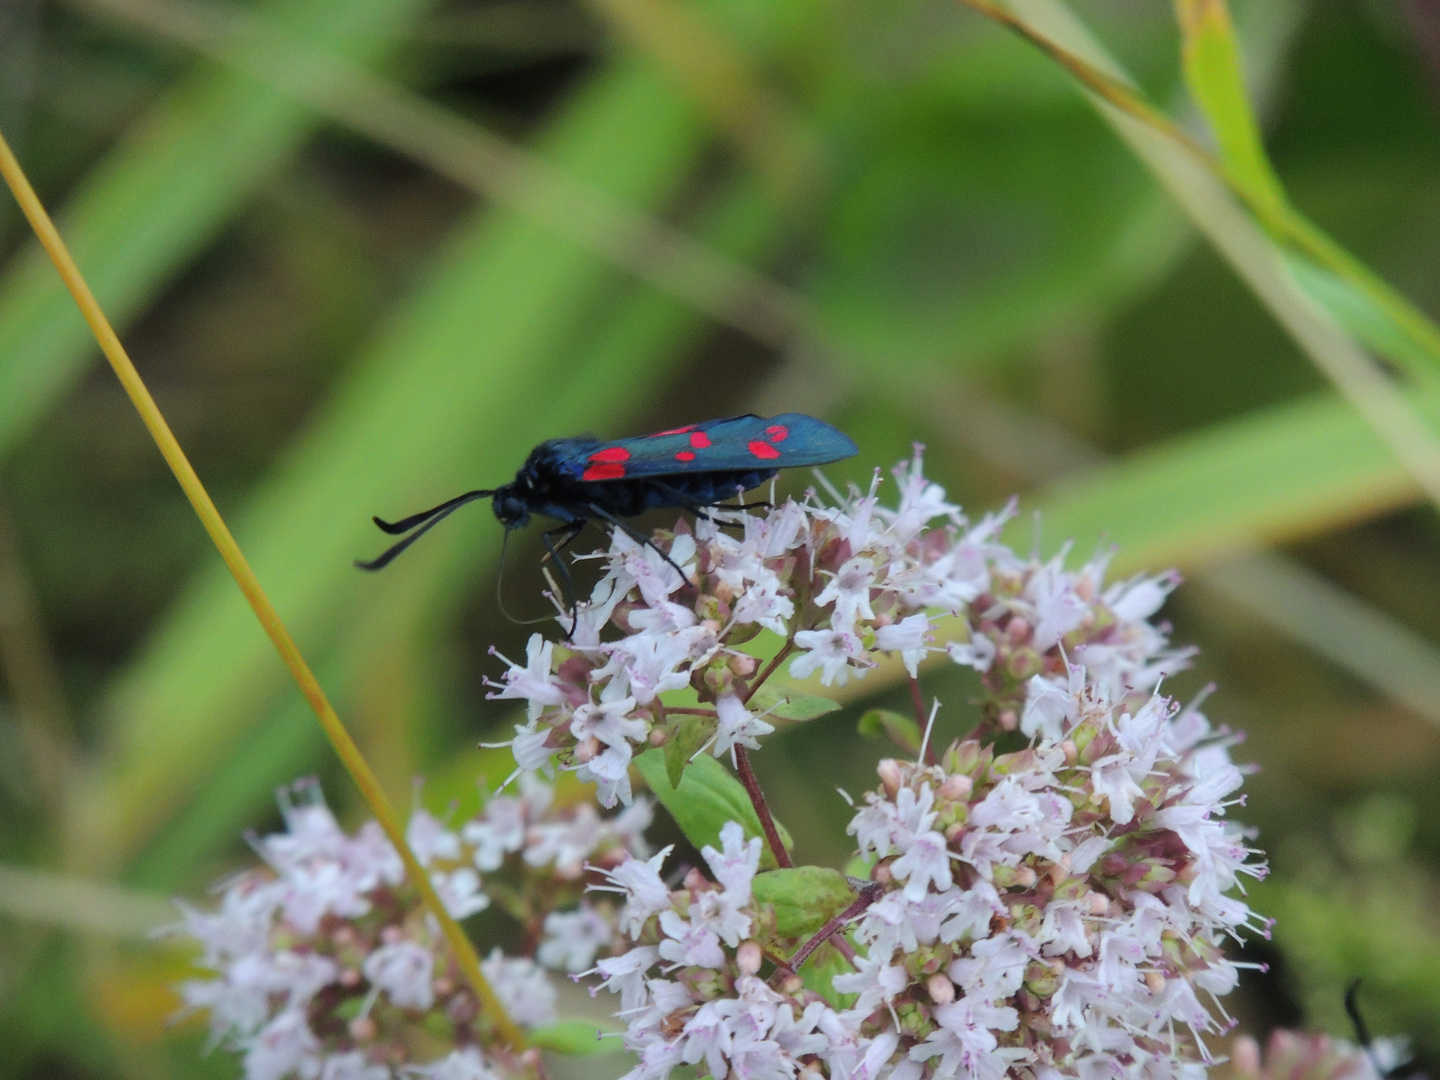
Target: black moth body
x=582 y=479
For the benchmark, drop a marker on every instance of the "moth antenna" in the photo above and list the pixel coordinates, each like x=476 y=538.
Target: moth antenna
x=428 y=520
x=404 y=525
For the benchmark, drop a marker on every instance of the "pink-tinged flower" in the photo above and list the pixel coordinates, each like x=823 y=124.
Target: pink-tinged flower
x=403 y=972
x=284 y=1047
x=908 y=638
x=836 y=654
x=463 y=1064
x=522 y=987
x=736 y=725
x=638 y=880
x=734 y=866
x=534 y=683
x=572 y=938
x=353 y=1065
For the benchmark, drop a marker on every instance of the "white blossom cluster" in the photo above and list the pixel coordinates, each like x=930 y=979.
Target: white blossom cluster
x=690 y=991
x=840 y=584
x=1291 y=1056
x=327 y=967
x=1053 y=912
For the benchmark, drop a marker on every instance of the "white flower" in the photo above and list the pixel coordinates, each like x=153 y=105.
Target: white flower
x=534 y=683
x=645 y=894
x=353 y=1065
x=403 y=971
x=573 y=937
x=466 y=1064
x=907 y=637
x=430 y=840
x=284 y=1047
x=737 y=725
x=522 y=987
x=978 y=653
x=831 y=652
x=460 y=892
x=966 y=1044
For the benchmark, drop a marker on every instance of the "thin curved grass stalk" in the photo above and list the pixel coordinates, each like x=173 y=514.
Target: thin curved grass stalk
x=1278 y=216
x=205 y=510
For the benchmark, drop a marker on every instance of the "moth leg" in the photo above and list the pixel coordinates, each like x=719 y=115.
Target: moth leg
x=636 y=535
x=570 y=530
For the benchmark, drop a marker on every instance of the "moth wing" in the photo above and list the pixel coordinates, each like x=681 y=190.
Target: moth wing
x=734 y=443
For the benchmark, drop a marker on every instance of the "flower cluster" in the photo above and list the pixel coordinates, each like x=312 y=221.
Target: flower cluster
x=327 y=966
x=690 y=989
x=1060 y=907
x=1291 y=1056
x=1055 y=911
x=839 y=585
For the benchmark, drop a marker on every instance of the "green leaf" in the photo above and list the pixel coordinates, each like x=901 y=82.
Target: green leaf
x=818 y=974
x=900 y=729
x=689 y=735
x=805 y=898
x=574 y=1038
x=786 y=704
x=1213 y=72
x=705 y=799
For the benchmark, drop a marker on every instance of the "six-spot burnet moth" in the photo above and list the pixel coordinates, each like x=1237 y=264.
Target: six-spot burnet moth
x=583 y=479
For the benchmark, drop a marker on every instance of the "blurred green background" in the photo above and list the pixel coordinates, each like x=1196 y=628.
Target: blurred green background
x=368 y=252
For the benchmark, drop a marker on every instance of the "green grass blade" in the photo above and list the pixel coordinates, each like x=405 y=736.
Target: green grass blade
x=1213 y=72
x=1270 y=477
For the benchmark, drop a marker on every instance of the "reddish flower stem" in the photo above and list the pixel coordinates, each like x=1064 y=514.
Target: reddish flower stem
x=747 y=774
x=785 y=650
x=868 y=896
x=762 y=811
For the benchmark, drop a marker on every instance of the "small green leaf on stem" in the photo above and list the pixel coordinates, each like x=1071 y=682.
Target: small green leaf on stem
x=805 y=898
x=687 y=737
x=783 y=704
x=704 y=800
x=900 y=729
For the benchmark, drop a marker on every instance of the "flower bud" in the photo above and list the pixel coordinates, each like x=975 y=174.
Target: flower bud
x=940 y=988
x=747 y=957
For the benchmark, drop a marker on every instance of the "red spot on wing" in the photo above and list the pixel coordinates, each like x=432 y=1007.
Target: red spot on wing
x=762 y=450
x=777 y=432
x=699 y=440
x=672 y=431
x=685 y=455
x=604 y=471
x=610 y=455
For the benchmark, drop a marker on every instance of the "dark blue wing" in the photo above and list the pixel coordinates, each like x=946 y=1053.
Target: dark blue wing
x=735 y=443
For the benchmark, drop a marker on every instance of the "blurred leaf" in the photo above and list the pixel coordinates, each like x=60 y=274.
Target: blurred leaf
x=1269 y=477
x=417 y=416
x=900 y=729
x=781 y=703
x=1216 y=79
x=575 y=1038
x=706 y=798
x=183 y=170
x=805 y=898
